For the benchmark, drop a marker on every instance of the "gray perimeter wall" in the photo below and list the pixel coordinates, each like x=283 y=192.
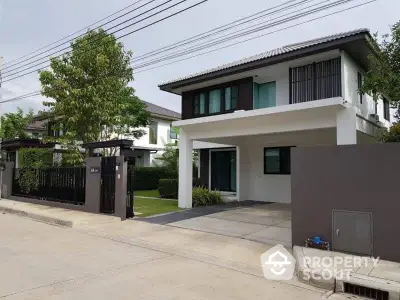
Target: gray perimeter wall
x=355 y=178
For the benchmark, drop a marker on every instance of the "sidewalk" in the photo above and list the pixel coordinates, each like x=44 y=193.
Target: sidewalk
x=54 y=215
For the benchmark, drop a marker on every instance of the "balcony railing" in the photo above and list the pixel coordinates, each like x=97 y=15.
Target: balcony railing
x=315 y=81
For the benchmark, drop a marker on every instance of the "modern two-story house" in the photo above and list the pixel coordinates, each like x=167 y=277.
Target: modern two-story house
x=247 y=115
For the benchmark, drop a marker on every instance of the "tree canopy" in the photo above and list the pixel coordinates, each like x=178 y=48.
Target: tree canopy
x=13 y=125
x=92 y=98
x=383 y=76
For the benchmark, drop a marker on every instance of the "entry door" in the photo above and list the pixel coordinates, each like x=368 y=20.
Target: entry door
x=352 y=232
x=223 y=170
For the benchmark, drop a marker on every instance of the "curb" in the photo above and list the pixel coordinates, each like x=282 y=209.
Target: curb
x=302 y=271
x=37 y=217
x=392 y=287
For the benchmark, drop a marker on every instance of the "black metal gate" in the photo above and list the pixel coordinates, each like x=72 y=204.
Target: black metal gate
x=107 y=203
x=129 y=192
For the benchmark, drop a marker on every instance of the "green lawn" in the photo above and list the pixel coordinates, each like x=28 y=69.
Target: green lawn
x=149 y=193
x=148 y=207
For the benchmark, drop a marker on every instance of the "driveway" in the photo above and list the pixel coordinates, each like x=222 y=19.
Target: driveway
x=269 y=223
x=132 y=260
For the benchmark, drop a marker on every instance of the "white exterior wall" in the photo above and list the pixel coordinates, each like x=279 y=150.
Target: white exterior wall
x=350 y=93
x=163 y=138
x=253 y=183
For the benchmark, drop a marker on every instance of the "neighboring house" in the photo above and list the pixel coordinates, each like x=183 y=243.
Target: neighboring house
x=245 y=116
x=158 y=134
x=151 y=144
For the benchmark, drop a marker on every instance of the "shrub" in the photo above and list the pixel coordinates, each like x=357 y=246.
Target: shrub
x=35 y=158
x=168 y=188
x=202 y=197
x=147 y=178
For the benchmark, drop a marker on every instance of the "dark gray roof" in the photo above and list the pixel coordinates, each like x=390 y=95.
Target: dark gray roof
x=275 y=52
x=162 y=111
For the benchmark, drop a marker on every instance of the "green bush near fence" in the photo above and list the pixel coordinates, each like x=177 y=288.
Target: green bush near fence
x=31 y=159
x=35 y=158
x=168 y=188
x=147 y=178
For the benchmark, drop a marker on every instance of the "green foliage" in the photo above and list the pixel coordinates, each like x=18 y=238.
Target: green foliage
x=383 y=77
x=393 y=136
x=168 y=188
x=30 y=160
x=202 y=197
x=35 y=158
x=170 y=157
x=93 y=101
x=147 y=178
x=13 y=125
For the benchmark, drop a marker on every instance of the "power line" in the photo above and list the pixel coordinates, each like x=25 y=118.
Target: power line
x=129 y=33
x=231 y=36
x=68 y=47
x=256 y=37
x=32 y=94
x=72 y=34
x=141 y=28
x=204 y=34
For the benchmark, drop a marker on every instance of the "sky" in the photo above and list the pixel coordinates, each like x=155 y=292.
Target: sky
x=27 y=25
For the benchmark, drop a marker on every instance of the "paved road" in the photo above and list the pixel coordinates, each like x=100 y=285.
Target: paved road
x=41 y=261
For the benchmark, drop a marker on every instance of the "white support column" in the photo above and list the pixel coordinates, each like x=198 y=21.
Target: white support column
x=346 y=126
x=185 y=170
x=238 y=173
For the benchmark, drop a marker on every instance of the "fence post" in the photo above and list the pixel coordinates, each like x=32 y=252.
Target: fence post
x=93 y=184
x=8 y=173
x=121 y=173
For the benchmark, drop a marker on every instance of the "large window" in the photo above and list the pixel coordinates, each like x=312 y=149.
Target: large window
x=277 y=160
x=215 y=101
x=264 y=95
x=315 y=81
x=153 y=133
x=386 y=109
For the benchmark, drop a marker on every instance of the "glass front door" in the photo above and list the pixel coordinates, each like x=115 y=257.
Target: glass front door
x=223 y=170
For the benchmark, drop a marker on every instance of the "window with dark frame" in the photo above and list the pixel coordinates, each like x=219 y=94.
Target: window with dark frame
x=153 y=133
x=216 y=101
x=315 y=81
x=386 y=109
x=277 y=160
x=359 y=85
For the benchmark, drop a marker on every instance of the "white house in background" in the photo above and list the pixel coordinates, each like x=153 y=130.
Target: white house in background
x=245 y=116
x=151 y=144
x=158 y=134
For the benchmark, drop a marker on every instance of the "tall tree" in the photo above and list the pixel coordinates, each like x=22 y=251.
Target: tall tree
x=13 y=125
x=93 y=101
x=383 y=76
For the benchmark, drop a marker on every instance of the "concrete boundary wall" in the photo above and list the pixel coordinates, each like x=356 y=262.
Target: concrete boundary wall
x=356 y=178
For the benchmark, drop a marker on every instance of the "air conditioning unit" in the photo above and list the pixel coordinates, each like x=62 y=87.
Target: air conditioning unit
x=375 y=116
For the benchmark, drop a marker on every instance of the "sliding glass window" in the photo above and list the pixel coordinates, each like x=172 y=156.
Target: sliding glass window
x=215 y=101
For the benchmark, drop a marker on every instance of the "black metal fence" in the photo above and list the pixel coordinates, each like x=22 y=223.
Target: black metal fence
x=65 y=185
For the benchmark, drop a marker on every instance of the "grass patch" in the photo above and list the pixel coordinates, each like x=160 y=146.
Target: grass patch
x=149 y=207
x=148 y=193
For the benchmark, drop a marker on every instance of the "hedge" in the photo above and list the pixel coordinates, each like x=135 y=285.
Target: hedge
x=147 y=178
x=168 y=188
